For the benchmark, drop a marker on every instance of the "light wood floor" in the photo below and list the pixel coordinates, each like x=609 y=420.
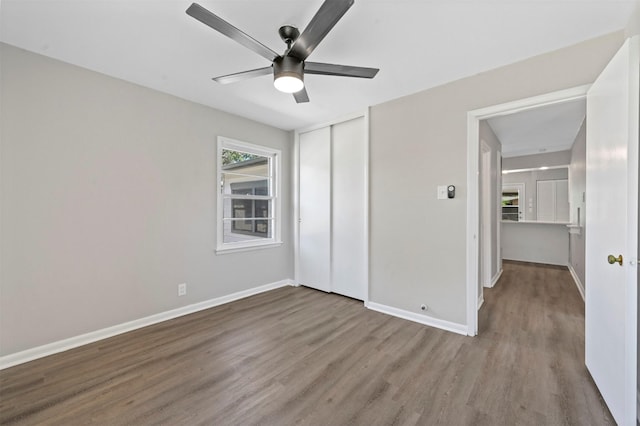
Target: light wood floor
x=299 y=356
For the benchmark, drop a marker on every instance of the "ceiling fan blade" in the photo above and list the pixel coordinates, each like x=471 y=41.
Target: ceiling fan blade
x=203 y=15
x=301 y=96
x=325 y=18
x=340 y=70
x=243 y=75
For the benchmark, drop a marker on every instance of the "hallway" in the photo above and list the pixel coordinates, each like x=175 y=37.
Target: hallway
x=533 y=321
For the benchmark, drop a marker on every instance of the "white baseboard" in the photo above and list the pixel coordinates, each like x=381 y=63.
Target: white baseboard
x=420 y=318
x=495 y=279
x=83 y=339
x=480 y=302
x=577 y=280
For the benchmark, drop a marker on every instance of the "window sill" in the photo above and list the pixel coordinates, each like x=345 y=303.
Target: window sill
x=238 y=249
x=535 y=222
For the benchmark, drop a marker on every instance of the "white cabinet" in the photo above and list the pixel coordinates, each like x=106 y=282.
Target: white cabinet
x=552 y=200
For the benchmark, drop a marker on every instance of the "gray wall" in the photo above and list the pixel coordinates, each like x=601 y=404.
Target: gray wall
x=417 y=242
x=633 y=28
x=577 y=187
x=108 y=202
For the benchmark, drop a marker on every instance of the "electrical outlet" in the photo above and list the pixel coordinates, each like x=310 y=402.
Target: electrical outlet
x=182 y=289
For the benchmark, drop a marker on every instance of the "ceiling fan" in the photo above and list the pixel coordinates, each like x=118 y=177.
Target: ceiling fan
x=289 y=68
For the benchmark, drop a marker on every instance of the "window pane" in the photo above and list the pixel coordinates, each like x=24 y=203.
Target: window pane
x=261 y=208
x=244 y=185
x=262 y=190
x=241 y=163
x=247 y=230
x=234 y=208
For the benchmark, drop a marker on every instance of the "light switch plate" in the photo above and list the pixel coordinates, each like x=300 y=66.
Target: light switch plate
x=442 y=192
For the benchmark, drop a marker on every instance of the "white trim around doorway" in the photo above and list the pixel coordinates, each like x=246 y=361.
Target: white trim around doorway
x=473 y=153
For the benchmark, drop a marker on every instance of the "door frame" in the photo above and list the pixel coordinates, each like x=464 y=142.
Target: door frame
x=498 y=218
x=296 y=192
x=486 y=223
x=473 y=190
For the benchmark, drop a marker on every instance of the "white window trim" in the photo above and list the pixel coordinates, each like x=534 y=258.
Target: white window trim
x=275 y=155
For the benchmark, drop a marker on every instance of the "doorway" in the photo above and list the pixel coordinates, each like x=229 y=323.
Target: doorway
x=474 y=155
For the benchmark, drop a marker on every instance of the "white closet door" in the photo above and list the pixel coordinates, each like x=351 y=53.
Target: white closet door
x=315 y=209
x=349 y=248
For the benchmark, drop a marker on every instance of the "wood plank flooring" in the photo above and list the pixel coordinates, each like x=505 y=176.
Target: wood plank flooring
x=299 y=356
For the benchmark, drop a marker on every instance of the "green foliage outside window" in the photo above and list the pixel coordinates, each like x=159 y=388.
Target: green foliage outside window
x=231 y=157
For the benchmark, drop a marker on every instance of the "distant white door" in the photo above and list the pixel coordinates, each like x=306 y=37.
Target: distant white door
x=314 y=256
x=498 y=216
x=486 y=220
x=612 y=229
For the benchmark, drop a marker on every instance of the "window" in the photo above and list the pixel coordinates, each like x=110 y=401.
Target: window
x=248 y=196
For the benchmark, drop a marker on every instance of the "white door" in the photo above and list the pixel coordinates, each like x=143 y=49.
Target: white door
x=349 y=209
x=314 y=256
x=612 y=228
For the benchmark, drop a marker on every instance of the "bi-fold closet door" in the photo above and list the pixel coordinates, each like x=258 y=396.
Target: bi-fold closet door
x=333 y=209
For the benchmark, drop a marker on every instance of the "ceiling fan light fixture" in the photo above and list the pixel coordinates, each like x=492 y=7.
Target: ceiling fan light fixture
x=288 y=74
x=288 y=84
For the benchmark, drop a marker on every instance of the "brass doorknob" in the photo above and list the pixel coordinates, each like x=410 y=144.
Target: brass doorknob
x=612 y=259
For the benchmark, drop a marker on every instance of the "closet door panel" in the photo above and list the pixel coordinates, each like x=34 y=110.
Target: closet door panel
x=349 y=250
x=315 y=209
x=546 y=201
x=562 y=201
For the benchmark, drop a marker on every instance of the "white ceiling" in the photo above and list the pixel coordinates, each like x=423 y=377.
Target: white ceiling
x=550 y=128
x=416 y=44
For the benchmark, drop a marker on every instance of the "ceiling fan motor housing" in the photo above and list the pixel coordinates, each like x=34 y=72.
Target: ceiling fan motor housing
x=288 y=66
